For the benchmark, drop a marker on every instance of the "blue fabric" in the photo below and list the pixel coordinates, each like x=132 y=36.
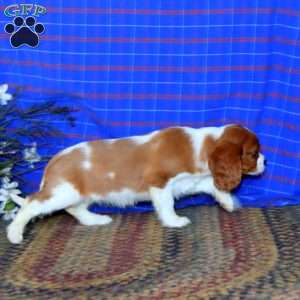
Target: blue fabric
x=134 y=66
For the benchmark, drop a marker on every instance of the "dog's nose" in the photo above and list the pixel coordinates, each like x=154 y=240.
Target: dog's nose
x=265 y=162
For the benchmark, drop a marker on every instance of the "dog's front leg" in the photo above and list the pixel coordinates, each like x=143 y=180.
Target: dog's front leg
x=228 y=201
x=163 y=202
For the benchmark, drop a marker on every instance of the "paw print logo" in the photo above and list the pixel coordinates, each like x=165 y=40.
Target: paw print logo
x=24 y=32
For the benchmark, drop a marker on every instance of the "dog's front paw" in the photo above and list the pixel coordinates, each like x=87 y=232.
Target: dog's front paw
x=95 y=219
x=177 y=222
x=231 y=203
x=14 y=234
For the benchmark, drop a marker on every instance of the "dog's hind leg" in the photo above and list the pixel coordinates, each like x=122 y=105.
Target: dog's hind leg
x=85 y=217
x=62 y=196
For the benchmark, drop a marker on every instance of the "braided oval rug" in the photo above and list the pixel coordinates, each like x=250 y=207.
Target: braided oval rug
x=249 y=254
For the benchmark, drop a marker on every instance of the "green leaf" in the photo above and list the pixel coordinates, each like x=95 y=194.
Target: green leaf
x=10 y=205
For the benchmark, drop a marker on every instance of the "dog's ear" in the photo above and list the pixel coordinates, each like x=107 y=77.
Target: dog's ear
x=226 y=166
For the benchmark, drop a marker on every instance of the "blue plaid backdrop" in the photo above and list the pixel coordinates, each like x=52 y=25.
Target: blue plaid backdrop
x=134 y=66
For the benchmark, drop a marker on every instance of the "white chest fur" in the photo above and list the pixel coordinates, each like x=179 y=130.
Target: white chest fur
x=186 y=184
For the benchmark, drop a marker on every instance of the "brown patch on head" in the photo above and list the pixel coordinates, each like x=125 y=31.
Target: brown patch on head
x=225 y=165
x=236 y=153
x=236 y=134
x=249 y=143
x=251 y=148
x=123 y=164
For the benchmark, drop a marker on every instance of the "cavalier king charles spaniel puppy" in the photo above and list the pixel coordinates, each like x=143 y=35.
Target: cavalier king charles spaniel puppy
x=160 y=166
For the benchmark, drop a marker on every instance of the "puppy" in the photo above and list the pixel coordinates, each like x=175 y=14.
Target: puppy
x=161 y=166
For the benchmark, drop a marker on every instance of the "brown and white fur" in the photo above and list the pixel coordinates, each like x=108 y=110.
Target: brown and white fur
x=161 y=166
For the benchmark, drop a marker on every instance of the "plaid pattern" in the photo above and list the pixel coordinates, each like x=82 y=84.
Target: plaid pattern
x=132 y=67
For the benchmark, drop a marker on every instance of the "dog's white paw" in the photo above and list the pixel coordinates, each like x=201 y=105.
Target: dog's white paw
x=14 y=234
x=231 y=203
x=95 y=219
x=177 y=222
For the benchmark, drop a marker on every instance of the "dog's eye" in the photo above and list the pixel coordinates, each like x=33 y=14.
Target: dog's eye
x=255 y=155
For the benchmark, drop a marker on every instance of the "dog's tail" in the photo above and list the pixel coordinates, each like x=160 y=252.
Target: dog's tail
x=18 y=200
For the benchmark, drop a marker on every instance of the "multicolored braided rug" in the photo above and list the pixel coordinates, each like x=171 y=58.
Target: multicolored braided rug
x=249 y=254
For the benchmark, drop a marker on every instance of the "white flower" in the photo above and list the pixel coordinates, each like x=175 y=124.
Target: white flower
x=31 y=155
x=5 y=171
x=4 y=97
x=3 y=198
x=7 y=189
x=7 y=184
x=10 y=185
x=5 y=180
x=4 y=192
